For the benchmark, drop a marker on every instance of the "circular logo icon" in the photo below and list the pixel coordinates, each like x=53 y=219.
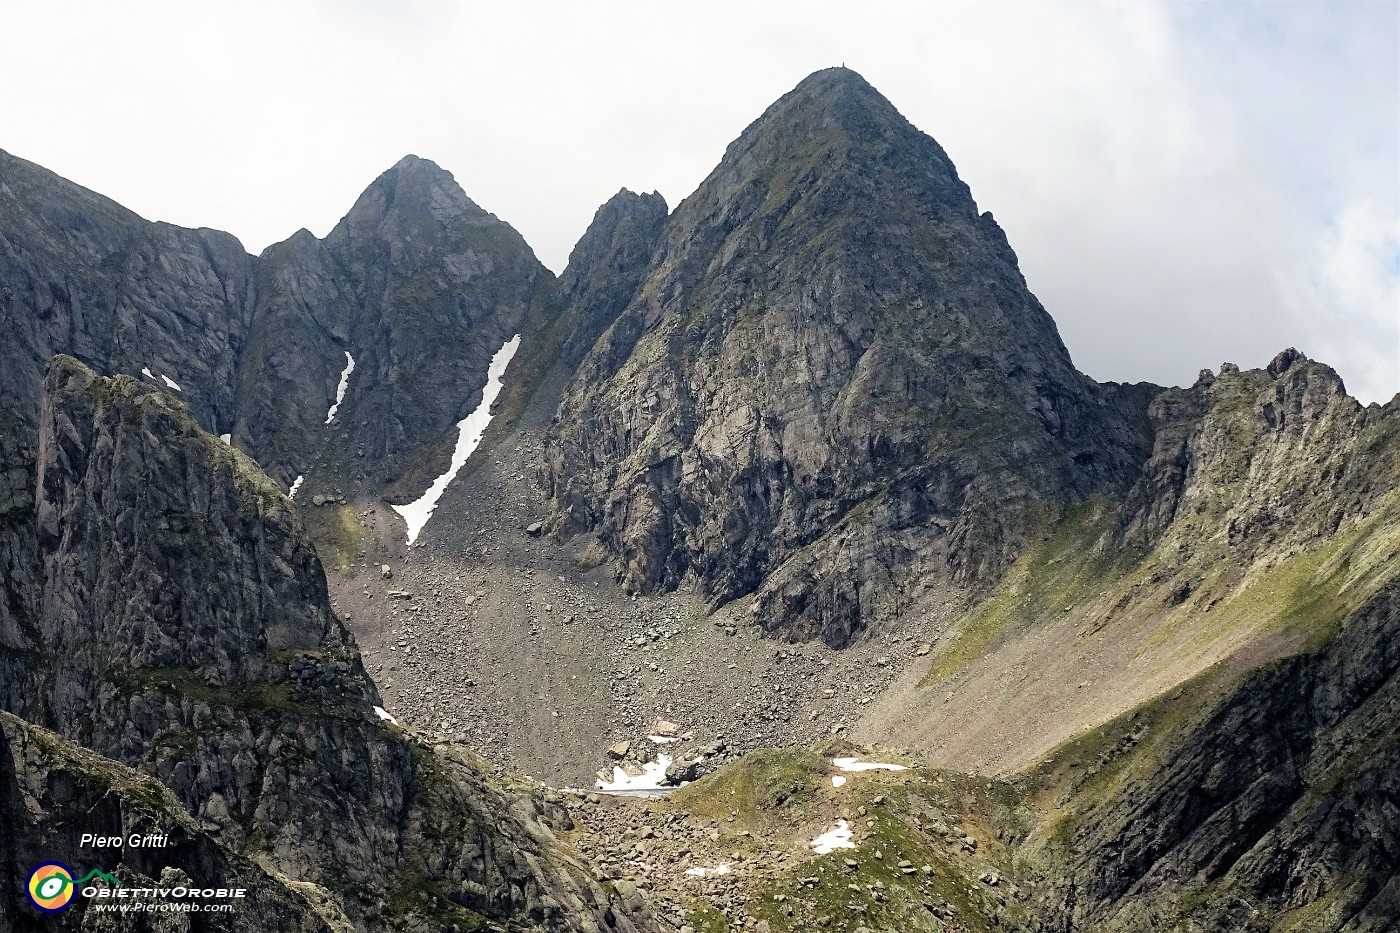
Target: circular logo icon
x=51 y=887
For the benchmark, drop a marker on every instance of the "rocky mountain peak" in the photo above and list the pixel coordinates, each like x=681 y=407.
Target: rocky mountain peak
x=413 y=190
x=833 y=136
x=828 y=107
x=607 y=265
x=618 y=219
x=828 y=324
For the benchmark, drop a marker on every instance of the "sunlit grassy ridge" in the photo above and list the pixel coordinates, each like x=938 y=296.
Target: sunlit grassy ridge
x=931 y=846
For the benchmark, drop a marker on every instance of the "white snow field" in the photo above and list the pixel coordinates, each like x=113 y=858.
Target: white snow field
x=470 y=429
x=344 y=384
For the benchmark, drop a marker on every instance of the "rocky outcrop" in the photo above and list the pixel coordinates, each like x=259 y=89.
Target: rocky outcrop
x=45 y=781
x=832 y=379
x=1262 y=459
x=1277 y=801
x=419 y=284
x=1272 y=807
x=1265 y=515
x=82 y=275
x=606 y=268
x=184 y=631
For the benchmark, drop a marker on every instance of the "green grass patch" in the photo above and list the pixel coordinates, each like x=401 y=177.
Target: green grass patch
x=183 y=682
x=1307 y=595
x=705 y=919
x=759 y=789
x=1060 y=569
x=341 y=539
x=419 y=897
x=146 y=792
x=910 y=870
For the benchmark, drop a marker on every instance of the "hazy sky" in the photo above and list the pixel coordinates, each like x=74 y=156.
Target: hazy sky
x=1185 y=183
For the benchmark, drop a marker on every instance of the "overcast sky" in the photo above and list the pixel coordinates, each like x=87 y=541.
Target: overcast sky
x=1185 y=183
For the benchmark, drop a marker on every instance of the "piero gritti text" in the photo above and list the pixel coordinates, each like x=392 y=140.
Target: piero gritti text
x=133 y=841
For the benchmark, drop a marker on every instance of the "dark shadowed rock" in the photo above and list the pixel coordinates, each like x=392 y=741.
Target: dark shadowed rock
x=1274 y=799
x=184 y=630
x=45 y=779
x=607 y=266
x=439 y=285
x=419 y=284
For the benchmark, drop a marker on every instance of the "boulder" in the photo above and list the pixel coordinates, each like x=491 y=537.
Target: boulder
x=665 y=728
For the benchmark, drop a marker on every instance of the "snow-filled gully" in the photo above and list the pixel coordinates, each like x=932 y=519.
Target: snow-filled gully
x=470 y=430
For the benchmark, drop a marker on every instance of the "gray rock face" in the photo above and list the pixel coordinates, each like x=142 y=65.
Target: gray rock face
x=607 y=267
x=45 y=780
x=1279 y=794
x=81 y=275
x=439 y=285
x=1278 y=456
x=1264 y=791
x=420 y=285
x=832 y=378
x=181 y=627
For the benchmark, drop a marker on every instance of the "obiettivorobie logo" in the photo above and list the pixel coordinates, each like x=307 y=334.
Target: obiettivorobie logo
x=51 y=885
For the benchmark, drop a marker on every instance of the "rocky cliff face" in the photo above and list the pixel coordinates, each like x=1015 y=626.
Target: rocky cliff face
x=832 y=378
x=1274 y=807
x=181 y=627
x=417 y=283
x=1265 y=800
x=82 y=275
x=607 y=267
x=1203 y=693
x=1264 y=516
x=1262 y=460
x=45 y=780
x=440 y=285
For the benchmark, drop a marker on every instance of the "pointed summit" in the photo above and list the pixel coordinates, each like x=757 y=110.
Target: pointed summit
x=835 y=97
x=828 y=311
x=829 y=104
x=421 y=287
x=834 y=126
x=413 y=190
x=607 y=265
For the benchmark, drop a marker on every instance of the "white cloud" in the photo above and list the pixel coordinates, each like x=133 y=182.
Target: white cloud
x=1167 y=173
x=1349 y=295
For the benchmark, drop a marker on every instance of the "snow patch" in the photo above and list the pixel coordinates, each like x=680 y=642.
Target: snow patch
x=296 y=484
x=837 y=780
x=662 y=739
x=344 y=384
x=146 y=371
x=226 y=438
x=385 y=715
x=721 y=869
x=470 y=430
x=851 y=764
x=833 y=839
x=653 y=776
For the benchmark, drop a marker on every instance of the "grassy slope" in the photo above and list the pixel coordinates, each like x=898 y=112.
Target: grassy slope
x=1178 y=625
x=1277 y=537
x=912 y=869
